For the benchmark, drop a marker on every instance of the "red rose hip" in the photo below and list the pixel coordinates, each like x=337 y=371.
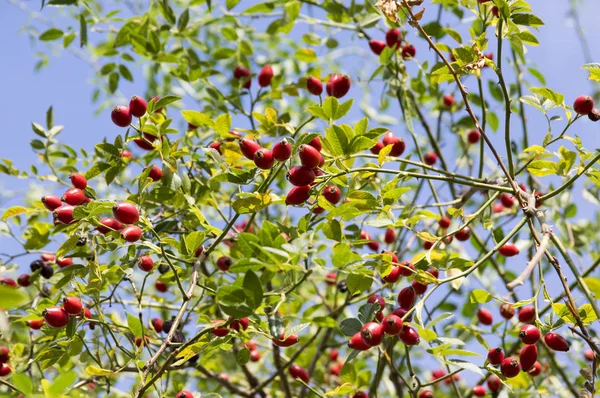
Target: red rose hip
x=121 y=116
x=485 y=317
x=263 y=159
x=137 y=106
x=583 y=104
x=131 y=233
x=495 y=356
x=338 y=85
x=56 y=317
x=78 y=181
x=146 y=263
x=51 y=202
x=376 y=46
x=301 y=175
x=265 y=76
x=314 y=85
x=282 y=150
x=508 y=250
x=556 y=342
x=126 y=213
x=298 y=195
x=510 y=367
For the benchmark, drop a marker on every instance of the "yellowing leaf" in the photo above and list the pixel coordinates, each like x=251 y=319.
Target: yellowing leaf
x=13 y=211
x=96 y=371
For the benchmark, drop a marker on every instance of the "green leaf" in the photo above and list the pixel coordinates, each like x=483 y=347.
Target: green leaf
x=350 y=326
x=594 y=69
x=550 y=94
x=252 y=203
x=223 y=124
x=231 y=3
x=134 y=325
x=527 y=19
x=22 y=382
x=336 y=140
x=198 y=119
x=51 y=34
x=166 y=100
x=13 y=211
x=567 y=160
x=305 y=55
x=12 y=297
x=253 y=284
x=82 y=30
x=62 y=382
x=184 y=18
x=235 y=301
x=542 y=168
x=367 y=312
x=348 y=373
x=243 y=356
x=358 y=283
x=594 y=285
x=96 y=371
x=480 y=296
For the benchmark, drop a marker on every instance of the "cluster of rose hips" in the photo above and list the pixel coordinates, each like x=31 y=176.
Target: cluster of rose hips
x=264 y=77
x=4 y=357
x=122 y=115
x=393 y=39
x=58 y=317
x=75 y=196
x=337 y=86
x=584 y=105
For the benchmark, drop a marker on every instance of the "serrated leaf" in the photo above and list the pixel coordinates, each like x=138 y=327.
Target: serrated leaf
x=480 y=296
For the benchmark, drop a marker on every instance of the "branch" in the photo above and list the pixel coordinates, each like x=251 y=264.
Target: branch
x=531 y=264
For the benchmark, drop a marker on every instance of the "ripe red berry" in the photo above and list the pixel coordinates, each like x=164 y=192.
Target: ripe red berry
x=330 y=278
x=332 y=194
x=444 y=222
x=448 y=101
x=434 y=272
x=507 y=200
x=161 y=286
x=372 y=333
x=430 y=158
x=51 y=202
x=184 y=394
x=409 y=335
x=72 y=305
x=426 y=394
x=510 y=367
x=438 y=374
x=4 y=354
x=224 y=263
x=527 y=314
x=397 y=143
x=508 y=250
x=298 y=195
x=121 y=116
x=283 y=341
x=528 y=356
x=401 y=312
x=407 y=297
x=301 y=175
x=360 y=394
x=356 y=342
x=377 y=148
x=494 y=383
x=74 y=197
x=314 y=85
x=392 y=324
x=126 y=213
x=485 y=317
x=507 y=311
x=406 y=268
x=242 y=73
x=479 y=391
x=125 y=154
x=473 y=136
x=248 y=147
x=282 y=150
x=23 y=280
x=393 y=38
x=419 y=287
x=338 y=85
x=316 y=143
x=463 y=234
x=375 y=298
x=108 y=225
x=137 y=106
x=131 y=233
x=64 y=214
x=535 y=370
x=529 y=334
x=78 y=181
x=393 y=276
x=155 y=173
x=11 y=282
x=589 y=355
x=56 y=317
x=157 y=324
x=254 y=355
x=334 y=354
x=309 y=156
x=216 y=146
x=265 y=76
x=219 y=331
x=497 y=208
x=35 y=324
x=583 y=104
x=145 y=263
x=390 y=236
x=495 y=356
x=556 y=342
x=238 y=324
x=263 y=159
x=299 y=373
x=145 y=141
x=408 y=51
x=376 y=46
x=4 y=370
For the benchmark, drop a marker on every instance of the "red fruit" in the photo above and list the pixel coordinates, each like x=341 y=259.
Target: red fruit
x=301 y=175
x=406 y=268
x=35 y=324
x=4 y=370
x=51 y=202
x=224 y=263
x=393 y=276
x=583 y=104
x=338 y=85
x=356 y=342
x=479 y=391
x=494 y=383
x=146 y=141
x=529 y=334
x=23 y=280
x=199 y=250
x=448 y=100
x=444 y=222
x=377 y=299
x=64 y=214
x=508 y=250
x=372 y=334
x=507 y=311
x=314 y=85
x=510 y=367
x=333 y=355
x=108 y=224
x=507 y=200
x=434 y=272
x=408 y=51
x=282 y=150
x=392 y=324
x=155 y=173
x=379 y=316
x=56 y=317
x=126 y=154
x=463 y=234
x=145 y=263
x=265 y=76
x=497 y=208
x=161 y=286
x=373 y=245
x=535 y=370
x=473 y=136
x=528 y=357
x=376 y=46
x=254 y=355
x=409 y=336
x=360 y=394
x=407 y=297
x=126 y=213
x=72 y=305
x=316 y=143
x=219 y=331
x=139 y=341
x=10 y=282
x=242 y=73
x=390 y=236
x=527 y=314
x=299 y=373
x=137 y=106
x=216 y=146
x=78 y=181
x=393 y=37
x=121 y=116
x=401 y=312
x=430 y=158
x=332 y=194
x=298 y=195
x=242 y=323
x=184 y=394
x=556 y=342
x=248 y=147
x=157 y=324
x=283 y=341
x=419 y=287
x=426 y=394
x=309 y=156
x=131 y=233
x=87 y=313
x=588 y=354
x=495 y=356
x=4 y=354
x=377 y=148
x=74 y=197
x=263 y=159
x=485 y=317
x=438 y=374
x=330 y=278
x=397 y=142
